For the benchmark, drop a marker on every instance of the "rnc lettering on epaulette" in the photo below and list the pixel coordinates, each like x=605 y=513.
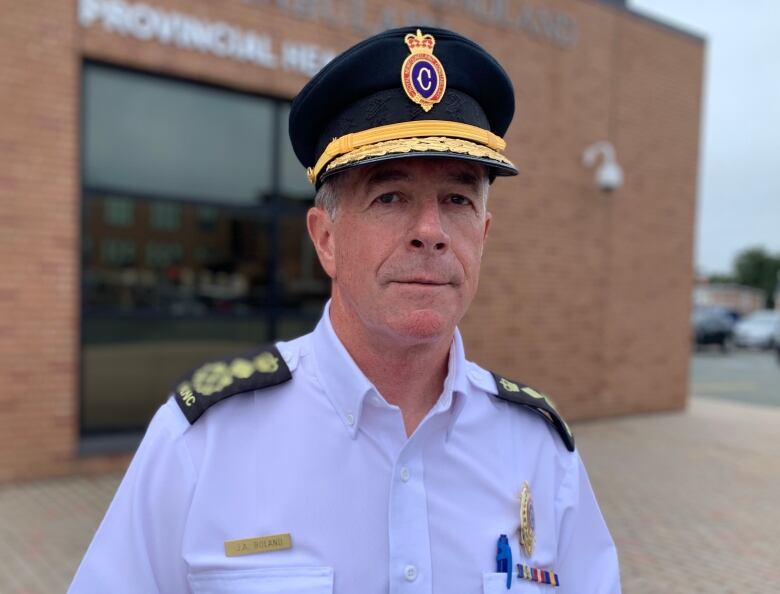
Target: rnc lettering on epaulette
x=536 y=401
x=217 y=380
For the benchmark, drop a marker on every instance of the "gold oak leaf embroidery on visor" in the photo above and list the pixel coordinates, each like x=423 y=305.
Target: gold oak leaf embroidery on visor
x=408 y=145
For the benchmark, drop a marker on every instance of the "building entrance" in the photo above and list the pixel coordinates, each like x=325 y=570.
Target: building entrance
x=193 y=239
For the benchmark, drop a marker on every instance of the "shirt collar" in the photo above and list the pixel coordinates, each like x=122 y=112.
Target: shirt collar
x=456 y=385
x=346 y=386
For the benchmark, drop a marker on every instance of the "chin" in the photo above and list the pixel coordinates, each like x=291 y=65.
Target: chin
x=422 y=325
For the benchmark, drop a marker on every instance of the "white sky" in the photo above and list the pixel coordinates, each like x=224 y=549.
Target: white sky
x=739 y=169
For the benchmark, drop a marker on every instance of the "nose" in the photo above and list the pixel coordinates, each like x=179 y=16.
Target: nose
x=428 y=233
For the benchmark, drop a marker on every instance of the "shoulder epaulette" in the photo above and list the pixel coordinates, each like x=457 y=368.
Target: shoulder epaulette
x=536 y=401
x=216 y=380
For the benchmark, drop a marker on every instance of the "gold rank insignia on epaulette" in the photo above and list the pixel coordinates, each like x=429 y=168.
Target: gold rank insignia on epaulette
x=536 y=401
x=216 y=380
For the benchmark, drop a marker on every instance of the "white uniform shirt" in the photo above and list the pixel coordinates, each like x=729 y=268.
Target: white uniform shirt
x=325 y=458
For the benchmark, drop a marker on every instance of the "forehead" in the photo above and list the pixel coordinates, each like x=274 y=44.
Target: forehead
x=418 y=168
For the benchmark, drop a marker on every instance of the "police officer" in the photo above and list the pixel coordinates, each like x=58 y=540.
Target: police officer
x=369 y=456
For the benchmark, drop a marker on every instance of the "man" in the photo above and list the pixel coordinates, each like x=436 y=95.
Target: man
x=369 y=456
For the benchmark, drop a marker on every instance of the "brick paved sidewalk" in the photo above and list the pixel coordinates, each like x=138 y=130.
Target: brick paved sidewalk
x=692 y=499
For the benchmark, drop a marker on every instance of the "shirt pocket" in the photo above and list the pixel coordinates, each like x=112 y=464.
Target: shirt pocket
x=264 y=580
x=495 y=583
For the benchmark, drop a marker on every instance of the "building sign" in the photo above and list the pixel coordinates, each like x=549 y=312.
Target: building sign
x=147 y=23
x=537 y=22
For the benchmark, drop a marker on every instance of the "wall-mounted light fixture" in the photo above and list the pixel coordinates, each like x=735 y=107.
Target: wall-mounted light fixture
x=609 y=175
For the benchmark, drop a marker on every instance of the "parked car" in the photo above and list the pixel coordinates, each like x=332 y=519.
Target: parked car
x=758 y=329
x=712 y=325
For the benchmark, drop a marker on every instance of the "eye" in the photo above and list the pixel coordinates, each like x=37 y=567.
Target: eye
x=460 y=200
x=388 y=198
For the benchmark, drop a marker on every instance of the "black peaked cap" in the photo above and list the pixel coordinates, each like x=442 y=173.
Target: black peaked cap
x=361 y=89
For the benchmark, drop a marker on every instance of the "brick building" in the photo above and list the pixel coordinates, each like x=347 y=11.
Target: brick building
x=152 y=209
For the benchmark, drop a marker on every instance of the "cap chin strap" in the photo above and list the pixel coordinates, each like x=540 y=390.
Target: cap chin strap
x=349 y=142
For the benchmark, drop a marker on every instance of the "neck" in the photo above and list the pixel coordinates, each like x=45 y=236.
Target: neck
x=409 y=374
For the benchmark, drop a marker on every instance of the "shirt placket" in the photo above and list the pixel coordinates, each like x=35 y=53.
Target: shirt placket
x=410 y=568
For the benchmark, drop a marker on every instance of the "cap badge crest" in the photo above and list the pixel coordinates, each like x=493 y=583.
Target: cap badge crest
x=422 y=75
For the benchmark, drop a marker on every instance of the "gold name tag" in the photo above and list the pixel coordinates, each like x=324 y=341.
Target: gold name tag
x=258 y=544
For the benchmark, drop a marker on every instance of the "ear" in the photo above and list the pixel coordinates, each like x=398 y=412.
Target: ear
x=320 y=227
x=488 y=220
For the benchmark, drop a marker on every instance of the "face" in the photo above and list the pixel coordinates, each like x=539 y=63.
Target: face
x=405 y=247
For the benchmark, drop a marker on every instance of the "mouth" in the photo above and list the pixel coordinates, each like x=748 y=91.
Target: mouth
x=421 y=282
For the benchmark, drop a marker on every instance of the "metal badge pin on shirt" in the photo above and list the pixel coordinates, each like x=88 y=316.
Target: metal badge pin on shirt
x=258 y=544
x=504 y=559
x=527 y=521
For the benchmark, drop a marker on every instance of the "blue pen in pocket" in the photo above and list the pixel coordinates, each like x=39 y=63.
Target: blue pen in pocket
x=504 y=559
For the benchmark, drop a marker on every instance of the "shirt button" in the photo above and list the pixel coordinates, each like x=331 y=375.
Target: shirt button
x=350 y=419
x=405 y=476
x=410 y=573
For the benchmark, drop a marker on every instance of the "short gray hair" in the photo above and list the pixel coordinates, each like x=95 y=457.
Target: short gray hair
x=326 y=197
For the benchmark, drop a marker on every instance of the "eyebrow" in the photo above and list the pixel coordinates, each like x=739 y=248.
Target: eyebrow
x=382 y=175
x=466 y=178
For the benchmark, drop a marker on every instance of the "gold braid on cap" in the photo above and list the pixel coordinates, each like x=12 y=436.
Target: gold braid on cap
x=418 y=145
x=391 y=132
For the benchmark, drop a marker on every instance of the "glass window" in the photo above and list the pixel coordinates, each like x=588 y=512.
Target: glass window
x=194 y=238
x=293 y=180
x=161 y=254
x=207 y=218
x=118 y=212
x=118 y=252
x=166 y=216
x=178 y=139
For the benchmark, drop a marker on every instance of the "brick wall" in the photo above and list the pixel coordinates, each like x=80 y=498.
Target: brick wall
x=584 y=295
x=38 y=236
